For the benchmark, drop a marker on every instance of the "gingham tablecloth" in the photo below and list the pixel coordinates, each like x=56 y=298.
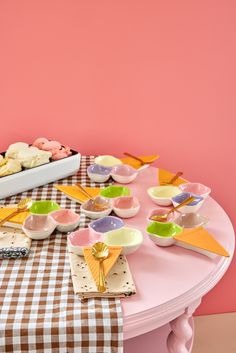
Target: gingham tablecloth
x=38 y=309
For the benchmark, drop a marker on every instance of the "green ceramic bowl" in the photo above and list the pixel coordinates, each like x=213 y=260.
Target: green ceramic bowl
x=115 y=191
x=44 y=207
x=162 y=233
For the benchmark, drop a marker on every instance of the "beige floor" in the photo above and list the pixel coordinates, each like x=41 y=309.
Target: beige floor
x=215 y=334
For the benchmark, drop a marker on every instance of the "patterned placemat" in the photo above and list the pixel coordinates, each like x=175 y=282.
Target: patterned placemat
x=39 y=311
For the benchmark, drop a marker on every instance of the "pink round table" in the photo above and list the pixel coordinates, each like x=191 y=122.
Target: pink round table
x=171 y=281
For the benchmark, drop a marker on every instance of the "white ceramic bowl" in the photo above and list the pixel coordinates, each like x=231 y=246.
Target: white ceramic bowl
x=192 y=207
x=196 y=188
x=79 y=239
x=126 y=206
x=39 y=227
x=87 y=208
x=129 y=238
x=66 y=219
x=107 y=161
x=124 y=174
x=162 y=195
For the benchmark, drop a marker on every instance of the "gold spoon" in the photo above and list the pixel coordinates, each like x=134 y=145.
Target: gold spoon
x=163 y=218
x=172 y=180
x=22 y=206
x=135 y=157
x=100 y=251
x=85 y=192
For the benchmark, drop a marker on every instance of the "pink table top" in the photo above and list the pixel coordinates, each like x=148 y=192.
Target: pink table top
x=170 y=279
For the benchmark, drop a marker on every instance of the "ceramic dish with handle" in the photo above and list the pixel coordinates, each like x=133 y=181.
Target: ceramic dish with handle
x=162 y=233
x=97 y=208
x=196 y=189
x=160 y=212
x=43 y=207
x=124 y=174
x=162 y=195
x=191 y=207
x=107 y=161
x=114 y=191
x=126 y=206
x=39 y=228
x=79 y=239
x=99 y=173
x=105 y=224
x=66 y=220
x=129 y=238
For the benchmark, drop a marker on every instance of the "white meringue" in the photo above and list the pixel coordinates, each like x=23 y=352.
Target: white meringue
x=14 y=149
x=33 y=157
x=11 y=167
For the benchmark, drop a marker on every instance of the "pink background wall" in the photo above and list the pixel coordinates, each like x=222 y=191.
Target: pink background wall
x=144 y=76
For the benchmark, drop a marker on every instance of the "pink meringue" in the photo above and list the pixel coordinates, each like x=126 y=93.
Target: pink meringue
x=48 y=146
x=39 y=142
x=59 y=155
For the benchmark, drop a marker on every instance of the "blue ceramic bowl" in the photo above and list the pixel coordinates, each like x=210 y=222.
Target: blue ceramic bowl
x=106 y=224
x=191 y=207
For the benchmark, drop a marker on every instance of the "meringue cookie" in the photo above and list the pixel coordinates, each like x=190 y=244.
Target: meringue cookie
x=11 y=167
x=39 y=142
x=51 y=145
x=14 y=149
x=33 y=157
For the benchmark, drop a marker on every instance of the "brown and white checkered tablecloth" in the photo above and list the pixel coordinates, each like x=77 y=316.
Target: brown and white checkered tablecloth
x=39 y=311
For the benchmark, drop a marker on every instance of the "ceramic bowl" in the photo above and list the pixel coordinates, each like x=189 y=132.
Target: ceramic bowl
x=162 y=233
x=113 y=191
x=43 y=207
x=191 y=220
x=162 y=195
x=81 y=238
x=67 y=220
x=91 y=210
x=107 y=161
x=196 y=188
x=105 y=224
x=129 y=238
x=39 y=227
x=161 y=211
x=124 y=174
x=99 y=173
x=192 y=207
x=126 y=206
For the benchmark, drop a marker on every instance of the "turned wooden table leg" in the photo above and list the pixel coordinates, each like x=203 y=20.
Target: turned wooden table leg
x=181 y=331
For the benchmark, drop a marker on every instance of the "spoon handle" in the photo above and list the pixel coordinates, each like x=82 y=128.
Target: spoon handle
x=175 y=177
x=4 y=220
x=84 y=191
x=185 y=202
x=101 y=285
x=134 y=157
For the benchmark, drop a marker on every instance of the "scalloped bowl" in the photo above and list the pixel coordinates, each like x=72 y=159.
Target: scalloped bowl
x=39 y=227
x=162 y=195
x=126 y=206
x=196 y=188
x=114 y=191
x=124 y=173
x=99 y=173
x=161 y=211
x=129 y=238
x=66 y=219
x=43 y=207
x=81 y=238
x=107 y=161
x=192 y=207
x=91 y=210
x=105 y=224
x=162 y=233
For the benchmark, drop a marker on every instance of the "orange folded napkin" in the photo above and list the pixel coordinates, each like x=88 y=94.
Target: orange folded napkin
x=16 y=220
x=164 y=177
x=74 y=193
x=200 y=238
x=136 y=164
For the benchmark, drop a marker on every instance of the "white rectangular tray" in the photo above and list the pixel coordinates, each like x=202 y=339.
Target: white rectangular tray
x=31 y=178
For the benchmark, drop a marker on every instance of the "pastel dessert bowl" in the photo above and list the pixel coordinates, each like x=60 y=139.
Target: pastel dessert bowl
x=43 y=207
x=196 y=188
x=66 y=219
x=107 y=161
x=39 y=227
x=191 y=207
x=97 y=208
x=81 y=238
x=99 y=173
x=126 y=206
x=124 y=174
x=162 y=233
x=160 y=212
x=114 y=191
x=191 y=220
x=162 y=195
x=105 y=224
x=129 y=238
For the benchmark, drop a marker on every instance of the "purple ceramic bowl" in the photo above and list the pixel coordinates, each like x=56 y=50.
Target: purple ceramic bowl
x=106 y=224
x=99 y=169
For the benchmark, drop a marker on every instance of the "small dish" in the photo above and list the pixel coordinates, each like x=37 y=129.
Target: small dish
x=192 y=206
x=43 y=207
x=124 y=174
x=191 y=220
x=162 y=233
x=91 y=207
x=67 y=220
x=129 y=238
x=162 y=195
x=113 y=191
x=105 y=224
x=107 y=161
x=126 y=206
x=99 y=173
x=39 y=227
x=196 y=188
x=81 y=238
x=161 y=211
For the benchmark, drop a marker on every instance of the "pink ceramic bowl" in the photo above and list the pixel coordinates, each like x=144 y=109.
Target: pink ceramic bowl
x=126 y=206
x=81 y=238
x=196 y=188
x=161 y=211
x=39 y=227
x=124 y=173
x=67 y=220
